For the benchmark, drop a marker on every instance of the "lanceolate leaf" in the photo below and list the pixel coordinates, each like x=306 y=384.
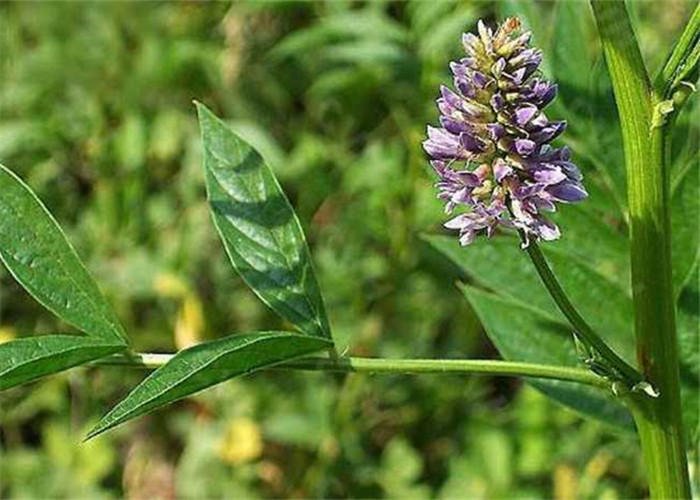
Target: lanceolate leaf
x=597 y=244
x=523 y=334
x=259 y=228
x=208 y=364
x=37 y=254
x=25 y=360
x=595 y=287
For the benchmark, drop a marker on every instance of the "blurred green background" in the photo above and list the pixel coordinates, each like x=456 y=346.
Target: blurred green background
x=96 y=115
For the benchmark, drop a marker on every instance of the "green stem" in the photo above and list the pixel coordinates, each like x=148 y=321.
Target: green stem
x=398 y=366
x=582 y=328
x=683 y=60
x=644 y=130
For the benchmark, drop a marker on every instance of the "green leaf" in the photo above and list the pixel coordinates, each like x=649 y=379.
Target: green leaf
x=259 y=228
x=522 y=333
x=37 y=254
x=438 y=35
x=688 y=321
x=365 y=52
x=208 y=364
x=599 y=245
x=685 y=229
x=523 y=322
x=28 y=359
x=571 y=61
x=355 y=25
x=503 y=267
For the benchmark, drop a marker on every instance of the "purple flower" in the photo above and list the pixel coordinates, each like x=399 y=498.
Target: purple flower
x=492 y=152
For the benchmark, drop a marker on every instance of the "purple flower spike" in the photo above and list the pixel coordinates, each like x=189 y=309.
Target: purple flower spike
x=492 y=153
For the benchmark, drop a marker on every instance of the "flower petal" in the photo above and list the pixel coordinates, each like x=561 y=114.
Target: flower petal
x=568 y=191
x=524 y=147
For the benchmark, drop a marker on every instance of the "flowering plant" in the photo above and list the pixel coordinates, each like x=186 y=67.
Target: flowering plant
x=498 y=167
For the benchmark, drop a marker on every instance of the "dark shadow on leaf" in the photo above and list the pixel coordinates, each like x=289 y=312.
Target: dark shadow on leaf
x=271 y=213
x=252 y=162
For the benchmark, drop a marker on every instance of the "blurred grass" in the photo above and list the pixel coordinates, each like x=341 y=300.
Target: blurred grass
x=96 y=115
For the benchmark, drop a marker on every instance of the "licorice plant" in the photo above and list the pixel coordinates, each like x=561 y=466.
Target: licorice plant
x=501 y=166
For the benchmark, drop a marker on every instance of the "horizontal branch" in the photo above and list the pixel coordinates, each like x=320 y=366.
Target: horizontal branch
x=399 y=367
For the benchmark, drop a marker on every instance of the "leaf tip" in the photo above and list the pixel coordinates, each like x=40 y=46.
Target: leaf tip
x=202 y=110
x=94 y=432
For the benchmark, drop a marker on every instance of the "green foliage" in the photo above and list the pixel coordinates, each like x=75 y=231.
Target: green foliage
x=685 y=246
x=592 y=258
x=205 y=365
x=36 y=252
x=503 y=267
x=571 y=52
x=114 y=150
x=259 y=228
x=25 y=360
x=527 y=335
x=62 y=468
x=401 y=467
x=533 y=329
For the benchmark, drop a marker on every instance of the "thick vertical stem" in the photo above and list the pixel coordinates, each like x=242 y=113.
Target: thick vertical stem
x=658 y=420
